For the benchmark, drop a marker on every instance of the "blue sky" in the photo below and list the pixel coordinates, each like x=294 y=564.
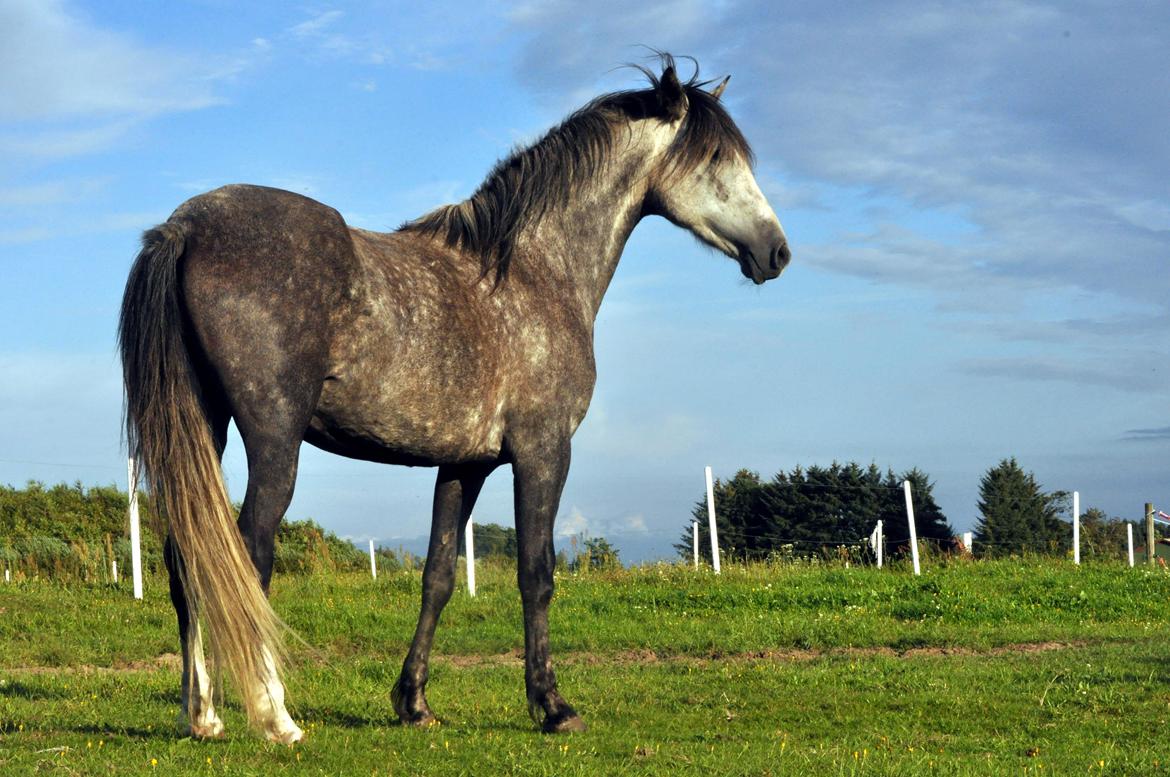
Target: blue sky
x=976 y=197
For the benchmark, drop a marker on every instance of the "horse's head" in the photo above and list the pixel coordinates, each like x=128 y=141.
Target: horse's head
x=705 y=182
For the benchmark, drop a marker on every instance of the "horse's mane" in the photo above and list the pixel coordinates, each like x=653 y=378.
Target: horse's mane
x=524 y=186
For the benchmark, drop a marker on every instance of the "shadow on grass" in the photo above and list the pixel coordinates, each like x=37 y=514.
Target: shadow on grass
x=1149 y=668
x=345 y=719
x=174 y=697
x=349 y=720
x=22 y=690
x=169 y=733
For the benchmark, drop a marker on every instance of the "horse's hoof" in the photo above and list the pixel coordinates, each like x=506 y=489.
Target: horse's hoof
x=212 y=730
x=563 y=724
x=424 y=719
x=206 y=726
x=285 y=736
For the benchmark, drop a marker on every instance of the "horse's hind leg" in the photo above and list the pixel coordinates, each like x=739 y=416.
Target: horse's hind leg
x=456 y=490
x=197 y=715
x=272 y=442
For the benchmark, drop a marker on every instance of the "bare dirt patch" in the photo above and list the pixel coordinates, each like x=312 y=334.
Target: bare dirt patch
x=173 y=661
x=165 y=661
x=647 y=656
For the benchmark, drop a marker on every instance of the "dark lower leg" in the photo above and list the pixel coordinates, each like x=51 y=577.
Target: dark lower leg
x=455 y=494
x=538 y=492
x=272 y=475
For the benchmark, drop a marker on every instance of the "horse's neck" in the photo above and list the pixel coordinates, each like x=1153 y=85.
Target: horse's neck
x=580 y=243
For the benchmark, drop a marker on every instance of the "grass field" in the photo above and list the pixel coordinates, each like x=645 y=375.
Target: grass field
x=1010 y=667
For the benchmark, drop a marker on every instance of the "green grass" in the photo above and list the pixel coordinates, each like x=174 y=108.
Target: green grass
x=1012 y=667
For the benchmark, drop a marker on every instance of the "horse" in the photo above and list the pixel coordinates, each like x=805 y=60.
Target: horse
x=463 y=340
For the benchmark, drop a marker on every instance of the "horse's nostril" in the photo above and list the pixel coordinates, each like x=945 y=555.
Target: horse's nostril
x=780 y=256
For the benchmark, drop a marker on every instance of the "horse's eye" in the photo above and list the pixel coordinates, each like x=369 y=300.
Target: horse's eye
x=715 y=157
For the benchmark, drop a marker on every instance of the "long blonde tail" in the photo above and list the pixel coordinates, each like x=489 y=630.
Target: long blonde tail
x=169 y=435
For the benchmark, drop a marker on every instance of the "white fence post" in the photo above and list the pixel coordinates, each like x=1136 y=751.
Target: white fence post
x=1129 y=541
x=695 y=542
x=1076 y=527
x=711 y=521
x=913 y=529
x=135 y=528
x=969 y=542
x=469 y=542
x=114 y=570
x=8 y=575
x=877 y=543
x=373 y=564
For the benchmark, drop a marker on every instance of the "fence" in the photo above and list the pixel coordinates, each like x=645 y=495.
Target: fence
x=100 y=560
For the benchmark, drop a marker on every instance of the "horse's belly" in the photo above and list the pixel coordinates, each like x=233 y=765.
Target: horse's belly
x=397 y=426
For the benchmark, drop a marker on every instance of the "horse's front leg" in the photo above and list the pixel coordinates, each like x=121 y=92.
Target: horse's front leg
x=539 y=478
x=456 y=490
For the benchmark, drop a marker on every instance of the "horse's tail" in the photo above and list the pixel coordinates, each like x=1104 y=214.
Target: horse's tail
x=169 y=435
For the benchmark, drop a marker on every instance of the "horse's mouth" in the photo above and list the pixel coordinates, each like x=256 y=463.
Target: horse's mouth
x=751 y=268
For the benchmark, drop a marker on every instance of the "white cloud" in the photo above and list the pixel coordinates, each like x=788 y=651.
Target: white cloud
x=574 y=524
x=635 y=524
x=51 y=144
x=18 y=235
x=316 y=25
x=321 y=35
x=1048 y=369
x=49 y=193
x=57 y=66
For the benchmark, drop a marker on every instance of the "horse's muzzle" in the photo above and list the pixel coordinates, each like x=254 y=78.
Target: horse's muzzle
x=758 y=271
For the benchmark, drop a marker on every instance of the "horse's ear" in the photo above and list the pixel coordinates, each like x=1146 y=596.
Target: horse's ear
x=717 y=92
x=672 y=98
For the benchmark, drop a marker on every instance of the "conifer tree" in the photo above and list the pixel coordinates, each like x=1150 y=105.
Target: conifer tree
x=807 y=510
x=1016 y=516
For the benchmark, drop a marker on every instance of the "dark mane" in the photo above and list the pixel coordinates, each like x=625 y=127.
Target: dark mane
x=524 y=186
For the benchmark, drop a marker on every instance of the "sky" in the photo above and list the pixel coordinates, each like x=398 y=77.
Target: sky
x=975 y=195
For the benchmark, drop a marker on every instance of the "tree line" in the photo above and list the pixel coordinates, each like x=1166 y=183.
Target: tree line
x=832 y=510
x=815 y=510
x=71 y=530
x=584 y=552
